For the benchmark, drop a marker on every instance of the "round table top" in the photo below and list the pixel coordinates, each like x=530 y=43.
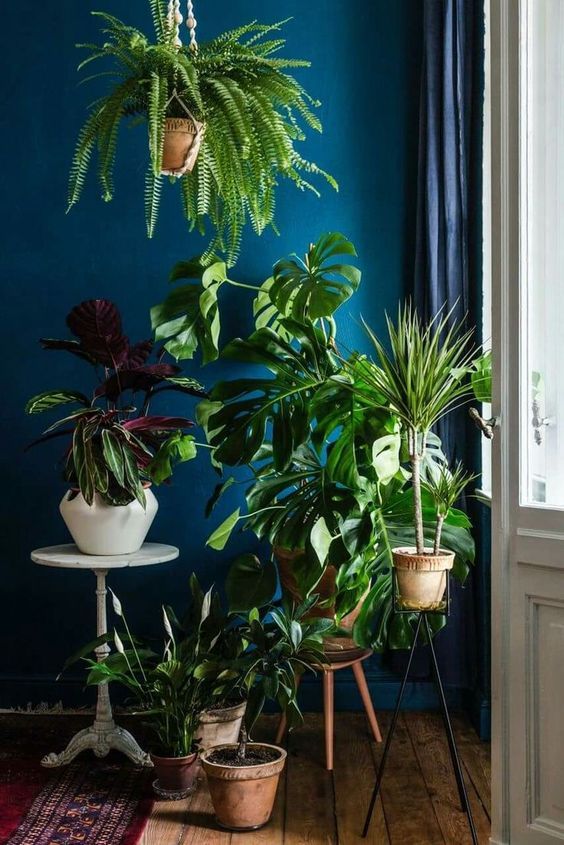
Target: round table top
x=67 y=556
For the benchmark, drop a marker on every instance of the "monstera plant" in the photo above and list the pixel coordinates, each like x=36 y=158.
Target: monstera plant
x=235 y=100
x=328 y=484
x=114 y=447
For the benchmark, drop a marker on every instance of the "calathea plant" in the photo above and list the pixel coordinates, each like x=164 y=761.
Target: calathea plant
x=243 y=106
x=114 y=443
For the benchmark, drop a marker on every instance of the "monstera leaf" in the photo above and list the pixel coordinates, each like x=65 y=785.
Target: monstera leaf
x=250 y=405
x=189 y=317
x=314 y=287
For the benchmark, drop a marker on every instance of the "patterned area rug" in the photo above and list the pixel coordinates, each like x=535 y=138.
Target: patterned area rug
x=92 y=802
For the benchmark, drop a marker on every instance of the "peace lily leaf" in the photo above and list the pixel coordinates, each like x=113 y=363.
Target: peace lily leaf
x=249 y=584
x=222 y=533
x=385 y=457
x=53 y=398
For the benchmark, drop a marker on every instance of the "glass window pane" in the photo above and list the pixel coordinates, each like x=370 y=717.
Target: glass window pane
x=542 y=252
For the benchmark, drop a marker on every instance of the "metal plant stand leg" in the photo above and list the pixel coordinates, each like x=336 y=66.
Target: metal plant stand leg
x=391 y=730
x=448 y=727
x=103 y=735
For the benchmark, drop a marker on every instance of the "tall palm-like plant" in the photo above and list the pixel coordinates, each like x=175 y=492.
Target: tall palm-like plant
x=421 y=377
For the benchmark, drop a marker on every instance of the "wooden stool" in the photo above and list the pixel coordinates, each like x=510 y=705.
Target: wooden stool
x=340 y=659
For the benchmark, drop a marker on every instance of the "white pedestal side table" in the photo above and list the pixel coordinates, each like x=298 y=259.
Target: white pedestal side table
x=103 y=735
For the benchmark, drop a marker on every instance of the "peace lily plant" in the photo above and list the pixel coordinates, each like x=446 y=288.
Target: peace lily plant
x=223 y=119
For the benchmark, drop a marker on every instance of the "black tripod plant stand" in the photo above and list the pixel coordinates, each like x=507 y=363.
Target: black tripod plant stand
x=423 y=622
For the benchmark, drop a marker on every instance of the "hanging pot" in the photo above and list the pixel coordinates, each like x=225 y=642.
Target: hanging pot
x=421 y=578
x=102 y=529
x=243 y=796
x=182 y=139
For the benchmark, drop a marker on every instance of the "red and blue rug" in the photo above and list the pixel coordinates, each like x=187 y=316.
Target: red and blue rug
x=90 y=801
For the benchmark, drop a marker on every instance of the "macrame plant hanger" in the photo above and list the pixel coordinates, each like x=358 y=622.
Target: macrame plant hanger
x=181 y=132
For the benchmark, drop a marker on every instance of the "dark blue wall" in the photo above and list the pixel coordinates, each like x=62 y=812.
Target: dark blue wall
x=366 y=59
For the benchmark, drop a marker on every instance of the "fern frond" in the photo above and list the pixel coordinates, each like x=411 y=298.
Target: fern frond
x=153 y=185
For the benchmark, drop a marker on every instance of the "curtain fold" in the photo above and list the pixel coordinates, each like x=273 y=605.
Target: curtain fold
x=448 y=255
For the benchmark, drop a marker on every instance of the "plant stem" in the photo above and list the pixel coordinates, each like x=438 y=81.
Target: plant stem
x=243 y=285
x=438 y=531
x=416 y=482
x=242 y=750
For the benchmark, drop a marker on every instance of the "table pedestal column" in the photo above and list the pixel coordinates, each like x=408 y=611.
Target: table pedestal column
x=103 y=734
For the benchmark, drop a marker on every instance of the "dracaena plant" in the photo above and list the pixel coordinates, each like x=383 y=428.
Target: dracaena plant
x=237 y=85
x=422 y=376
x=114 y=444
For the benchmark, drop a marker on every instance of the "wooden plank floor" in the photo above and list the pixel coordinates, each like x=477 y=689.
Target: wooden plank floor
x=314 y=807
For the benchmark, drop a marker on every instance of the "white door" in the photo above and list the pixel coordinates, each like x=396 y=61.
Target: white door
x=527 y=253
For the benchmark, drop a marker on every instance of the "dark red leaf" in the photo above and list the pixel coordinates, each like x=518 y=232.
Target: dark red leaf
x=73 y=346
x=138 y=354
x=157 y=423
x=97 y=323
x=141 y=378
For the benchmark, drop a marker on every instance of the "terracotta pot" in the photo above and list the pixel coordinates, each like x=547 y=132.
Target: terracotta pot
x=175 y=774
x=182 y=138
x=243 y=796
x=421 y=578
x=326 y=588
x=221 y=726
x=102 y=529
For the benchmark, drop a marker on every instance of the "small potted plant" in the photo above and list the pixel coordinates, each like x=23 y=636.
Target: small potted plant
x=115 y=449
x=281 y=642
x=425 y=373
x=223 y=117
x=165 y=691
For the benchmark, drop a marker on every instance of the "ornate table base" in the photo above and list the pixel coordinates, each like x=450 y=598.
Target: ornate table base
x=103 y=735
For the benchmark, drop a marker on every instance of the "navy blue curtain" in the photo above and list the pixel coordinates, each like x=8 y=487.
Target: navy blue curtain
x=448 y=255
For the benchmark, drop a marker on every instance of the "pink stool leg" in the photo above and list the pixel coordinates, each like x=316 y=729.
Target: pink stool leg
x=328 y=705
x=366 y=700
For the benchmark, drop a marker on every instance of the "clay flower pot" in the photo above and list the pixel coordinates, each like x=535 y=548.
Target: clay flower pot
x=243 y=796
x=176 y=776
x=221 y=726
x=421 y=578
x=182 y=138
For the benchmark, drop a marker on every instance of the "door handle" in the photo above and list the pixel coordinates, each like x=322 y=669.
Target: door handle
x=486 y=426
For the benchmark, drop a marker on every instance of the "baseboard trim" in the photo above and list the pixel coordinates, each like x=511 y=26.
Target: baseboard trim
x=32 y=693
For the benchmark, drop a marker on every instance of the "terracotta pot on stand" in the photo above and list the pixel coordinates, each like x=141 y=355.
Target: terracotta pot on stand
x=176 y=776
x=243 y=796
x=421 y=578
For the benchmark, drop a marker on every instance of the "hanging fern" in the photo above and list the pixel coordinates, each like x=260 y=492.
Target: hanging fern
x=252 y=108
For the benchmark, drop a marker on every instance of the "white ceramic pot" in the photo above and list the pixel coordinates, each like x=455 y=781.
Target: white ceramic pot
x=101 y=529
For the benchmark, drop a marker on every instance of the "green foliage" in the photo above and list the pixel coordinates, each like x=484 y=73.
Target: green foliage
x=447 y=486
x=312 y=288
x=481 y=377
x=252 y=107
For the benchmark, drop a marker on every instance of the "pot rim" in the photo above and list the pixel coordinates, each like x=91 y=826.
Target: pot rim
x=189 y=758
x=218 y=714
x=282 y=754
